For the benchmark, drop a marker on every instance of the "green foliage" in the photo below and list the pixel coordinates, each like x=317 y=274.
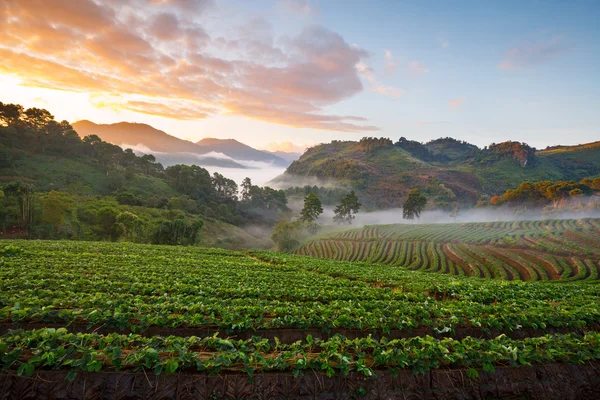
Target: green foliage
x=312 y=208
x=55 y=207
x=545 y=192
x=122 y=286
x=344 y=212
x=563 y=250
x=11 y=251
x=414 y=205
x=49 y=156
x=287 y=234
x=23 y=194
x=177 y=231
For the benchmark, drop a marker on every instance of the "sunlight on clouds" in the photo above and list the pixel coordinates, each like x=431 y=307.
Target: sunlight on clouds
x=160 y=53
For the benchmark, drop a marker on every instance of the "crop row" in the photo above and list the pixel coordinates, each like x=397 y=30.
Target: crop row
x=29 y=351
x=461 y=258
x=478 y=233
x=133 y=287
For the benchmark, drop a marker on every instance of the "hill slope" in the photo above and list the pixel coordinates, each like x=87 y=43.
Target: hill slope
x=446 y=170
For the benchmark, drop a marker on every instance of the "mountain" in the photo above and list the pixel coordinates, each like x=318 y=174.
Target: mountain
x=240 y=151
x=170 y=150
x=446 y=170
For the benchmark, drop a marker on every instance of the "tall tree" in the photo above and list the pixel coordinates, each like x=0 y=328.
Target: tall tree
x=312 y=208
x=344 y=212
x=414 y=205
x=23 y=193
x=246 y=189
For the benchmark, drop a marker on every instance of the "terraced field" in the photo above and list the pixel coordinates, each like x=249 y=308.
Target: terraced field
x=525 y=250
x=124 y=321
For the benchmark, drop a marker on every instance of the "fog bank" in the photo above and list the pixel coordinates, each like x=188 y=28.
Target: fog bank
x=394 y=216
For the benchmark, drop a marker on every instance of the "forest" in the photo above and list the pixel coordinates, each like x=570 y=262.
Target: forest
x=56 y=185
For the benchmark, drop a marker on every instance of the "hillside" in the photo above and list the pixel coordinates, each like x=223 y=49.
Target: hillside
x=446 y=170
x=170 y=150
x=56 y=185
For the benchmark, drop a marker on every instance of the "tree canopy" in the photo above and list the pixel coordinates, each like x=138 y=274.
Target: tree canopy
x=414 y=205
x=344 y=212
x=312 y=208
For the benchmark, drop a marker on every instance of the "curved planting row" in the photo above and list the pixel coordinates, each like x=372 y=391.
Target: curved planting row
x=461 y=258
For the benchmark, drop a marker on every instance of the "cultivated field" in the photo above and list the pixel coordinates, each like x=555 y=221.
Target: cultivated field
x=526 y=250
x=142 y=321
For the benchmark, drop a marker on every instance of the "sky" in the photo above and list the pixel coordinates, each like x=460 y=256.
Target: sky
x=284 y=74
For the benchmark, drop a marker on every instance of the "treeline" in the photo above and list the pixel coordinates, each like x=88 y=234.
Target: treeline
x=95 y=211
x=547 y=192
x=520 y=152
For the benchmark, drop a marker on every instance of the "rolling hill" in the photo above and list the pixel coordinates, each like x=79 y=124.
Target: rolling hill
x=446 y=170
x=171 y=150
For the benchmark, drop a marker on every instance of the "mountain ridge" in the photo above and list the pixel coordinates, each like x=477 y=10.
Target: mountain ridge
x=448 y=171
x=171 y=150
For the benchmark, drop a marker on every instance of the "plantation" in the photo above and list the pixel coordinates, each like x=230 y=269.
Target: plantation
x=95 y=315
x=522 y=250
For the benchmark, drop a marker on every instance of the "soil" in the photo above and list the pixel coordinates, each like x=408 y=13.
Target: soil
x=289 y=336
x=543 y=382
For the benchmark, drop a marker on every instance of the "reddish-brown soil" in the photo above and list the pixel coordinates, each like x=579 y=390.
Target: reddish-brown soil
x=293 y=335
x=543 y=382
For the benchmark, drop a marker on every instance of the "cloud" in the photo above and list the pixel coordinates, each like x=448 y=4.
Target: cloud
x=529 y=55
x=366 y=72
x=416 y=68
x=156 y=58
x=389 y=91
x=369 y=75
x=390 y=63
x=300 y=7
x=456 y=103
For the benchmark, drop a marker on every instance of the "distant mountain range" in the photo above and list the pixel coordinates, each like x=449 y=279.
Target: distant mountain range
x=446 y=170
x=170 y=150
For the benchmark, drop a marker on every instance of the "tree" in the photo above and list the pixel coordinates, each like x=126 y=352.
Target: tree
x=312 y=208
x=413 y=206
x=226 y=188
x=287 y=234
x=23 y=193
x=106 y=218
x=129 y=224
x=55 y=207
x=177 y=230
x=246 y=188
x=344 y=213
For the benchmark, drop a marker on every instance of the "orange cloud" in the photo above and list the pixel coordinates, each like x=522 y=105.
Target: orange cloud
x=156 y=59
x=456 y=103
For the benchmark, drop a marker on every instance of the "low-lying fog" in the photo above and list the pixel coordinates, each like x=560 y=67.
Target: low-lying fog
x=394 y=216
x=260 y=173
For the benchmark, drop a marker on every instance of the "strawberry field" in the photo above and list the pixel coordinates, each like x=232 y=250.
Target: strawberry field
x=523 y=250
x=95 y=315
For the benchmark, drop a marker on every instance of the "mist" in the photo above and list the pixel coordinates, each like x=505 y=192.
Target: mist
x=502 y=213
x=285 y=181
x=260 y=173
